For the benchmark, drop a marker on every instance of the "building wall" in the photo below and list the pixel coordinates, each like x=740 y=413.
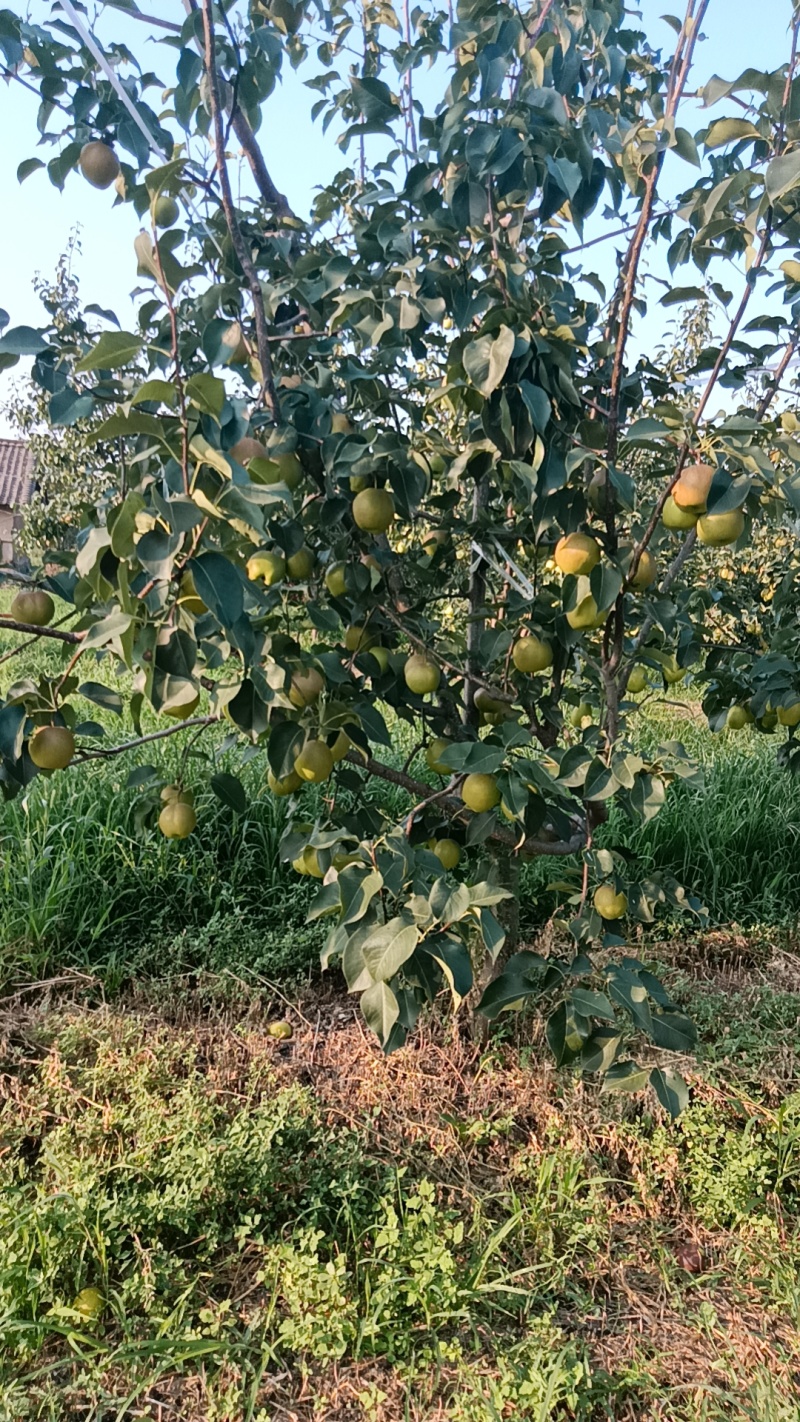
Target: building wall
x=7 y=526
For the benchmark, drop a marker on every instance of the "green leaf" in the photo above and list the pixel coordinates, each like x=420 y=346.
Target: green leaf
x=103 y=696
x=326 y=901
x=220 y=584
x=136 y=423
x=358 y=888
x=492 y=932
x=108 y=629
x=207 y=393
x=356 y=973
x=671 y=1090
x=381 y=1010
x=686 y=147
x=162 y=391
x=592 y=1004
x=487 y=894
x=600 y=1050
x=728 y=130
x=454 y=961
x=678 y=294
x=22 y=341
x=230 y=791
x=600 y=783
x=626 y=1076
x=122 y=525
x=566 y=1033
x=475 y=757
x=605 y=582
x=628 y=991
x=114 y=348
x=68 y=406
x=673 y=1031
x=783 y=174
x=647 y=431
x=520 y=978
x=12 y=731
x=486 y=359
x=30 y=165
x=390 y=946
x=538 y=404
x=285 y=742
x=375 y=100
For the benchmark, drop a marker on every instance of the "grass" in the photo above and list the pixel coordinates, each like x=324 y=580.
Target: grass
x=542 y=1252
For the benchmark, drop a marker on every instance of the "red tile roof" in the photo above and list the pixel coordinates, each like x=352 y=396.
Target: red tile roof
x=16 y=473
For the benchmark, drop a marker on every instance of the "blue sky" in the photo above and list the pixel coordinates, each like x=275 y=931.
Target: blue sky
x=37 y=218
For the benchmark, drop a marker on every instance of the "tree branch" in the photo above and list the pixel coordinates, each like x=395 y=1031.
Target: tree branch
x=268 y=391
x=529 y=848
x=258 y=167
x=32 y=630
x=679 y=74
x=145 y=740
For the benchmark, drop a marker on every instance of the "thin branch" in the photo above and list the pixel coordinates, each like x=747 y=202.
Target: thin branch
x=8 y=623
x=145 y=740
x=268 y=391
x=679 y=74
x=476 y=616
x=258 y=167
x=683 y=555
x=777 y=376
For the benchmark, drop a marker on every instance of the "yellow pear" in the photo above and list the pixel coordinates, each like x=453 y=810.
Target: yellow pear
x=177 y=820
x=719 y=529
x=278 y=469
x=433 y=755
x=677 y=518
x=738 y=717
x=646 y=571
x=531 y=655
x=480 y=793
x=358 y=639
x=585 y=614
x=247 y=448
x=577 y=553
x=609 y=903
x=314 y=763
x=373 y=510
x=448 y=852
x=269 y=568
x=421 y=675
x=335 y=580
x=300 y=565
x=51 y=747
x=284 y=784
x=35 y=607
x=307 y=686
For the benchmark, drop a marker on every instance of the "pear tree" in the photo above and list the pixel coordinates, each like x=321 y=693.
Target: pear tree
x=405 y=469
